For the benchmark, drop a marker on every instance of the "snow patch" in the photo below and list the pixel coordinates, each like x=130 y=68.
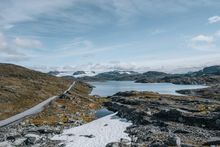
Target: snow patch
x=5 y=144
x=70 y=73
x=87 y=73
x=97 y=133
x=124 y=72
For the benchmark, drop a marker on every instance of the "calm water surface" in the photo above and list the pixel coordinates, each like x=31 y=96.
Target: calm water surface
x=109 y=88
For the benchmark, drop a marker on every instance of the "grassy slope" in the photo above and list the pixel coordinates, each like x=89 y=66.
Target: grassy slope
x=22 y=88
x=77 y=105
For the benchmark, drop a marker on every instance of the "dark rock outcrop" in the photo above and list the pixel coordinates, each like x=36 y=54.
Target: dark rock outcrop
x=212 y=92
x=53 y=73
x=79 y=73
x=167 y=120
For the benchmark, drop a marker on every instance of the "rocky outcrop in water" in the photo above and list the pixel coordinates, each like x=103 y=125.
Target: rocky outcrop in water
x=167 y=120
x=212 y=92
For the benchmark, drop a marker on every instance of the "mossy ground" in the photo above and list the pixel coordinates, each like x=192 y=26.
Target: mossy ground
x=22 y=88
x=188 y=103
x=77 y=106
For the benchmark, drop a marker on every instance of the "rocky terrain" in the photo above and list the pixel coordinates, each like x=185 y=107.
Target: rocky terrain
x=183 y=79
x=167 y=120
x=70 y=110
x=22 y=88
x=53 y=73
x=212 y=92
x=158 y=120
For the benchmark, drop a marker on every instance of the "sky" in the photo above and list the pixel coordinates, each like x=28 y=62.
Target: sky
x=101 y=35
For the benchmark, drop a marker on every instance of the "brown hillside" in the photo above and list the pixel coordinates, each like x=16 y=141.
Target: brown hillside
x=22 y=88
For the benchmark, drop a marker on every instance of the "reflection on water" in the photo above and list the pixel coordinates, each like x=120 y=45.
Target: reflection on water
x=109 y=88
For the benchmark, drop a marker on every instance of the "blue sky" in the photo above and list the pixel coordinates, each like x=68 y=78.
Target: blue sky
x=173 y=36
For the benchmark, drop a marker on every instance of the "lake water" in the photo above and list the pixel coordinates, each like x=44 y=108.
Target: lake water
x=102 y=112
x=109 y=88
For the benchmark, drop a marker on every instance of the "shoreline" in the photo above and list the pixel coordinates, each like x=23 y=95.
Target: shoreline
x=168 y=120
x=58 y=129
x=21 y=133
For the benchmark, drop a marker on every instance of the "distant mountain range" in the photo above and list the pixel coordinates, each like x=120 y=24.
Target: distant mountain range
x=75 y=74
x=80 y=74
x=208 y=75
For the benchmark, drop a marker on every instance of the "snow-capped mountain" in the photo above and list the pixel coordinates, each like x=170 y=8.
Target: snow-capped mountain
x=75 y=74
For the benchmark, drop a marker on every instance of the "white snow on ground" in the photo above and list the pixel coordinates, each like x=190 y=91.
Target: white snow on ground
x=102 y=131
x=65 y=73
x=87 y=73
x=5 y=144
x=125 y=72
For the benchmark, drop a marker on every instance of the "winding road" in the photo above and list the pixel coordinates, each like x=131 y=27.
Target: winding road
x=34 y=110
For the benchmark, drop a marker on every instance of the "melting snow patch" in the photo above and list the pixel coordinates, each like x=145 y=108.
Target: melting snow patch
x=97 y=133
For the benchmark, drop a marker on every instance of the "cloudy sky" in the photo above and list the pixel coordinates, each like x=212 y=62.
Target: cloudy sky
x=110 y=34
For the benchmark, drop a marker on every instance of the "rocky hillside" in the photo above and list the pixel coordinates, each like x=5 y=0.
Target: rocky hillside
x=209 y=76
x=167 y=120
x=212 y=92
x=212 y=70
x=22 y=88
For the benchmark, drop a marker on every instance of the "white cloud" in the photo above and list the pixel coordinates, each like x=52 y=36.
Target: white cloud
x=15 y=58
x=13 y=49
x=7 y=27
x=158 y=31
x=214 y=19
x=3 y=43
x=5 y=47
x=203 y=43
x=46 y=17
x=83 y=47
x=25 y=10
x=27 y=43
x=203 y=38
x=83 y=13
x=217 y=33
x=174 y=65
